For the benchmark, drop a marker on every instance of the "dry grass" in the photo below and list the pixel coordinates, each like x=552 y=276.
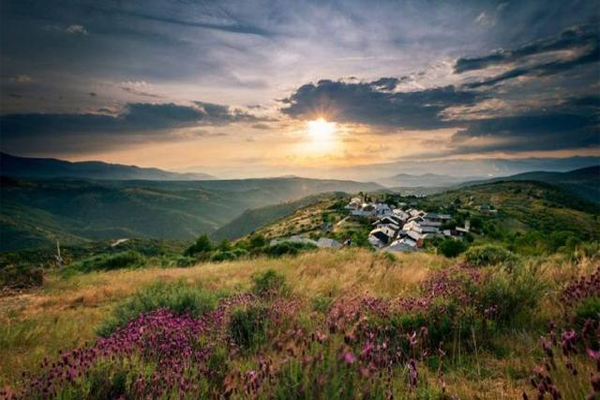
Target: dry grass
x=65 y=313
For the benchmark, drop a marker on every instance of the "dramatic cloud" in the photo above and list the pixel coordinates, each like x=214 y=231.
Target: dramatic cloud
x=373 y=103
x=531 y=133
x=572 y=38
x=136 y=123
x=573 y=48
x=538 y=115
x=467 y=78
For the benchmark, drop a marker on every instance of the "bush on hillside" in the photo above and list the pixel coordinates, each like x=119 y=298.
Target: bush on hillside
x=179 y=297
x=588 y=309
x=289 y=248
x=511 y=297
x=452 y=247
x=268 y=282
x=107 y=262
x=224 y=245
x=480 y=256
x=184 y=261
x=257 y=241
x=248 y=325
x=202 y=245
x=21 y=277
x=221 y=255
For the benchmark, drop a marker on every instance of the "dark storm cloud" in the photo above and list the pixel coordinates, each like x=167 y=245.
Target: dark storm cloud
x=137 y=123
x=551 y=131
x=544 y=69
x=572 y=38
x=372 y=103
x=581 y=45
x=386 y=83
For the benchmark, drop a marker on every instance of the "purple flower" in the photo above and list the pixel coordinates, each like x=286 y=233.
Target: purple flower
x=349 y=358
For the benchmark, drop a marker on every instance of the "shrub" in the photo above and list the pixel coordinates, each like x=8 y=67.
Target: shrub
x=257 y=241
x=326 y=377
x=200 y=246
x=322 y=304
x=452 y=248
x=511 y=298
x=289 y=248
x=107 y=262
x=589 y=308
x=224 y=245
x=220 y=255
x=268 y=282
x=179 y=297
x=21 y=277
x=480 y=256
x=184 y=261
x=248 y=325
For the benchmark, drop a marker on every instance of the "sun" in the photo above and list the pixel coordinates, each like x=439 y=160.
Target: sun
x=321 y=130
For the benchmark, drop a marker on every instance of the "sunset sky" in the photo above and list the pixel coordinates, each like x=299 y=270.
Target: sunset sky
x=313 y=88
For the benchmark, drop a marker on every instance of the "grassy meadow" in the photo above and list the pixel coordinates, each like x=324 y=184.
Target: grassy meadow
x=321 y=324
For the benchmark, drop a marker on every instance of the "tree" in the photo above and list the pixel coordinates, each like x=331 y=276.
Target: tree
x=224 y=245
x=202 y=245
x=257 y=241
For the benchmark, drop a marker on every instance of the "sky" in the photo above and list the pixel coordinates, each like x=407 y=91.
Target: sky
x=341 y=89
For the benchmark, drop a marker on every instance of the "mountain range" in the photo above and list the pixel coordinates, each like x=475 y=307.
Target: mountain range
x=28 y=167
x=35 y=213
x=43 y=200
x=424 y=180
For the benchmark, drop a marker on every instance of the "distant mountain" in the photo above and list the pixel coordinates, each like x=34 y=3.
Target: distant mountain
x=34 y=213
x=424 y=180
x=43 y=168
x=584 y=182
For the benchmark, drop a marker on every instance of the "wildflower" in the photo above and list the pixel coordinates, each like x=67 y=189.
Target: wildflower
x=349 y=358
x=413 y=373
x=367 y=348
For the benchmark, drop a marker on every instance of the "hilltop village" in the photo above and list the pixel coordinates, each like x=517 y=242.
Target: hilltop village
x=399 y=227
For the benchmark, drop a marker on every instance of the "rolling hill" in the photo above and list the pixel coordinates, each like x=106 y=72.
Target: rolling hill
x=45 y=168
x=34 y=213
x=522 y=206
x=527 y=205
x=584 y=182
x=256 y=218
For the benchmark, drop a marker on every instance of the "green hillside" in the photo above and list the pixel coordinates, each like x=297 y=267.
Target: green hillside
x=584 y=182
x=253 y=219
x=524 y=206
x=527 y=217
x=35 y=213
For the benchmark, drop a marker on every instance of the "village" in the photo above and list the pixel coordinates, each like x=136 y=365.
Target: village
x=401 y=228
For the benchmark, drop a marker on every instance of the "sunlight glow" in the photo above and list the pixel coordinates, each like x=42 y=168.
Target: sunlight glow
x=321 y=130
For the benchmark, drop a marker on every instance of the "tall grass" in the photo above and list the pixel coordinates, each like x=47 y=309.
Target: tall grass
x=179 y=296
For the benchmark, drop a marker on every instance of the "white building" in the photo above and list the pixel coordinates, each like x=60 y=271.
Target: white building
x=381 y=237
